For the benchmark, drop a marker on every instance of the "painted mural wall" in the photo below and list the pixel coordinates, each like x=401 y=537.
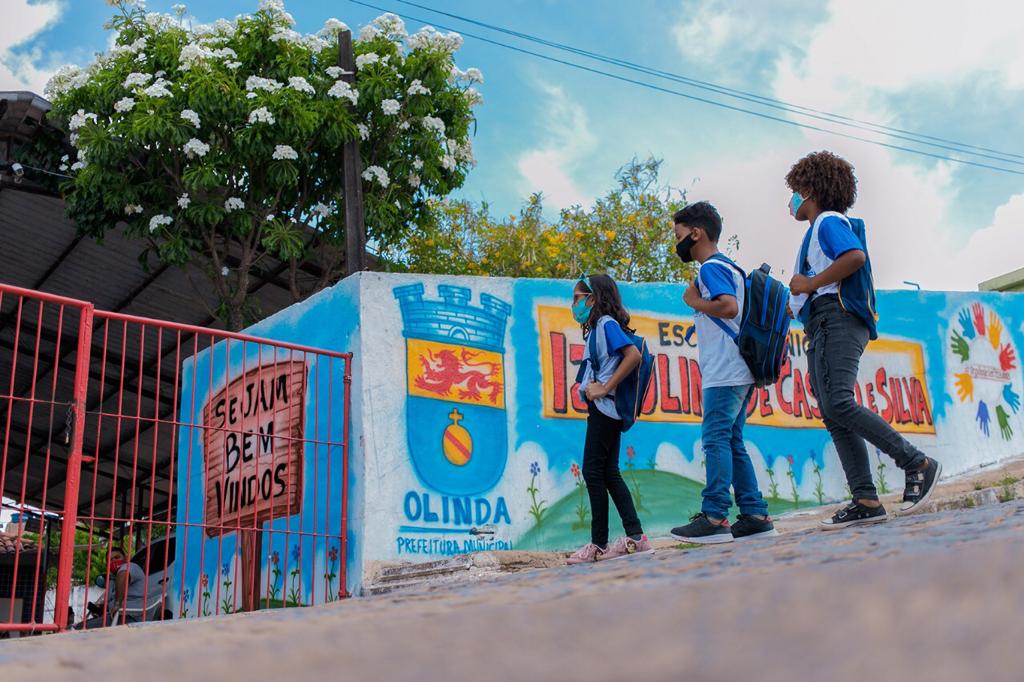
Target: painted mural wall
x=474 y=430
x=260 y=446
x=467 y=431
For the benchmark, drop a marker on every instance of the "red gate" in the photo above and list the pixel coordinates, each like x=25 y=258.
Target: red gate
x=95 y=409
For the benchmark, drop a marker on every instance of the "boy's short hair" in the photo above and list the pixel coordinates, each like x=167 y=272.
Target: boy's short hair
x=702 y=215
x=825 y=177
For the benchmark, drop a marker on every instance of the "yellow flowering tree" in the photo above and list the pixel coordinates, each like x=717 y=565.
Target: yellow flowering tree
x=626 y=233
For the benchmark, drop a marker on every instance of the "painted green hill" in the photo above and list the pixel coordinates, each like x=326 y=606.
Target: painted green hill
x=665 y=500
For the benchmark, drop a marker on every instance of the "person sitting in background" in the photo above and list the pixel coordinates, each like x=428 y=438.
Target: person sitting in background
x=126 y=602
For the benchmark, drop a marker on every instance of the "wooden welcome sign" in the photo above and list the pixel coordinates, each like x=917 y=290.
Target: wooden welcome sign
x=253 y=432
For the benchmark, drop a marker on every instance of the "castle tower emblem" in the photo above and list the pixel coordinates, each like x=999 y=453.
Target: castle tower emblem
x=456 y=423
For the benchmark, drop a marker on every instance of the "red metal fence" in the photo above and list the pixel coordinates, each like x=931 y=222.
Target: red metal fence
x=117 y=429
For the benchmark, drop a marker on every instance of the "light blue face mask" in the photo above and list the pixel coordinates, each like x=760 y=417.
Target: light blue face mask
x=581 y=310
x=794 y=203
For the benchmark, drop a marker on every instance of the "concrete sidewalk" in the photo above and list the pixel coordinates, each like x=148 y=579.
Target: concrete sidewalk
x=929 y=597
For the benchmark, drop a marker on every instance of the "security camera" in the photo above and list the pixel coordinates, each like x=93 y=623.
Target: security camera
x=18 y=170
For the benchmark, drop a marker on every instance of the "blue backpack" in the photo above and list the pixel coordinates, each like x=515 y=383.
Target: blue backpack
x=629 y=395
x=764 y=327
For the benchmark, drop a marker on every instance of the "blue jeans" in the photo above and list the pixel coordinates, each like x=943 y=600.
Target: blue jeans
x=725 y=456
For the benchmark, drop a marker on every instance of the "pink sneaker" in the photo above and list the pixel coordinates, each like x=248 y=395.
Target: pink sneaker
x=626 y=546
x=587 y=554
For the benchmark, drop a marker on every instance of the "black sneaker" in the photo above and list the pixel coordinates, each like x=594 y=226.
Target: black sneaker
x=701 y=531
x=855 y=514
x=751 y=528
x=919 y=486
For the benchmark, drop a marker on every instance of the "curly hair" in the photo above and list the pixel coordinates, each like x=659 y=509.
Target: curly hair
x=826 y=178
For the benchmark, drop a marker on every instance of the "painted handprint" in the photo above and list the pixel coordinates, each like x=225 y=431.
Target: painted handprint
x=965 y=323
x=1007 y=358
x=1004 y=423
x=965 y=387
x=995 y=330
x=1011 y=397
x=960 y=347
x=983 y=417
x=979 y=318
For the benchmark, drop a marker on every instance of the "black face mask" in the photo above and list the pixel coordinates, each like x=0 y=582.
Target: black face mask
x=683 y=249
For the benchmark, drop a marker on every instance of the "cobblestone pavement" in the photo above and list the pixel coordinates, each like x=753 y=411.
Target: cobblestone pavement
x=929 y=597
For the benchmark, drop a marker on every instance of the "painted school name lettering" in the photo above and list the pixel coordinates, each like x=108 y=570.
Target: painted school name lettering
x=891 y=381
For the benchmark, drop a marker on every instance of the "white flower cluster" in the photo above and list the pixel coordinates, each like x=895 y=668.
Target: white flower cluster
x=417 y=88
x=156 y=221
x=301 y=84
x=332 y=27
x=194 y=53
x=124 y=104
x=254 y=83
x=378 y=173
x=137 y=80
x=78 y=120
x=461 y=152
x=194 y=148
x=434 y=123
x=190 y=116
x=390 y=106
x=417 y=163
x=132 y=208
x=261 y=115
x=66 y=78
x=367 y=59
x=321 y=210
x=234 y=204
x=390 y=26
x=276 y=9
x=414 y=180
x=184 y=200
x=474 y=75
x=428 y=38
x=448 y=162
x=335 y=71
x=158 y=89
x=342 y=89
x=368 y=33
x=284 y=152
x=364 y=131
x=179 y=10
x=287 y=35
x=473 y=97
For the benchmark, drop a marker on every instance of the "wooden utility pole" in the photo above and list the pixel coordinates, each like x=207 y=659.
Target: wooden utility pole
x=352 y=172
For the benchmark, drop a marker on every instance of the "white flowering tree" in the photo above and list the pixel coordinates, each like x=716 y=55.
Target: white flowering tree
x=221 y=145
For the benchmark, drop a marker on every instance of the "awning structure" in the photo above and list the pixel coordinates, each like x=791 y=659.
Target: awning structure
x=40 y=250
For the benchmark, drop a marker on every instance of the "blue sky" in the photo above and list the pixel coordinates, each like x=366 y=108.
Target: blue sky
x=921 y=66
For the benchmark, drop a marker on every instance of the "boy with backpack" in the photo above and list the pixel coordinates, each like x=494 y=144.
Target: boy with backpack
x=834 y=296
x=717 y=297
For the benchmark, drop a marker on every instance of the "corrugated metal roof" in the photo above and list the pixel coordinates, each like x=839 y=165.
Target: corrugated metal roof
x=130 y=479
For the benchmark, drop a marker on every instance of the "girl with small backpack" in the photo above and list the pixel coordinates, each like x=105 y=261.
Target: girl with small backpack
x=597 y=307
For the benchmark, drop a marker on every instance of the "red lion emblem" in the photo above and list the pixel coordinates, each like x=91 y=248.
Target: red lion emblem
x=447 y=371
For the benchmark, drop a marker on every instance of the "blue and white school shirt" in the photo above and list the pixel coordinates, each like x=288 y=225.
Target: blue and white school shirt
x=719 y=356
x=827 y=239
x=610 y=341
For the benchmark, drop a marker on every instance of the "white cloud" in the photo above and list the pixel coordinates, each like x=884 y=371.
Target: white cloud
x=891 y=46
x=997 y=249
x=860 y=55
x=568 y=140
x=23 y=20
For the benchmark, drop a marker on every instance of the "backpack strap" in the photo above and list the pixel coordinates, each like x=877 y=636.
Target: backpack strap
x=717 y=320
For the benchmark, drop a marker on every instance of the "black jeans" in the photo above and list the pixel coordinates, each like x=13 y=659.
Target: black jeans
x=601 y=473
x=837 y=341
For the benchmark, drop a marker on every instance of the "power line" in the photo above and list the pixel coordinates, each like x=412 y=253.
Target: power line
x=898 y=133
x=677 y=93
